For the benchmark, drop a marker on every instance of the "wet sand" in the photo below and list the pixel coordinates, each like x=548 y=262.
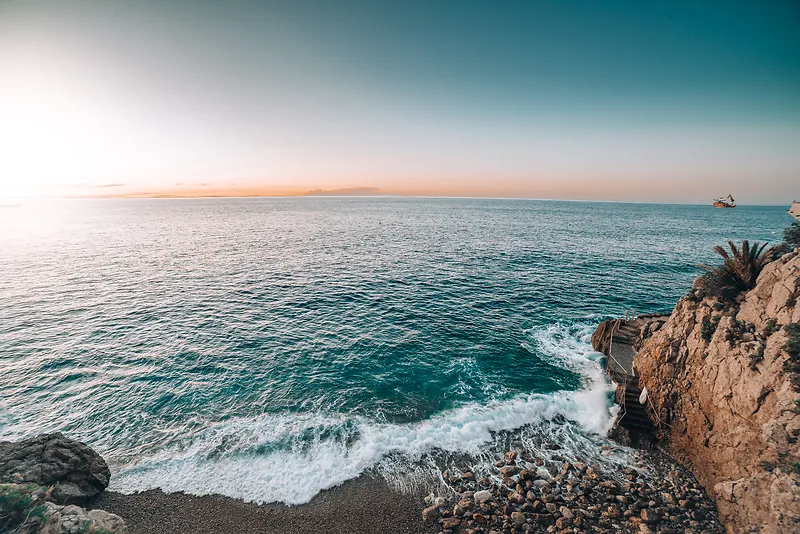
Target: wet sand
x=365 y=505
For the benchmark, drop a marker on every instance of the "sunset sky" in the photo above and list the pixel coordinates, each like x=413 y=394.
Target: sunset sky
x=610 y=100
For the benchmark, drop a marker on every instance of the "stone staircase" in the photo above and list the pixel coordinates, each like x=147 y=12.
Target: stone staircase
x=634 y=415
x=619 y=365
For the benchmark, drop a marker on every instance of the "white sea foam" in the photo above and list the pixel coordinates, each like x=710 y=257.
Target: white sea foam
x=291 y=458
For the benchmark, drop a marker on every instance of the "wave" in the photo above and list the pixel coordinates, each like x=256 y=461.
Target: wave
x=290 y=458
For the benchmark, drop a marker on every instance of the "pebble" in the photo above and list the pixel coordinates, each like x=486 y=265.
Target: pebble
x=482 y=496
x=570 y=495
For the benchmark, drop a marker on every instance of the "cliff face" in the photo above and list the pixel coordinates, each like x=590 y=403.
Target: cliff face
x=725 y=403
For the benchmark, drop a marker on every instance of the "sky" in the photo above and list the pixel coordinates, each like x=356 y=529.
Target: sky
x=598 y=100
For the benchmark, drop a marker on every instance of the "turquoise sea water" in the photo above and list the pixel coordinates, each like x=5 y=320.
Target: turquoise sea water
x=270 y=348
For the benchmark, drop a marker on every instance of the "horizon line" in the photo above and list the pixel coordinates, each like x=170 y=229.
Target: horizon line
x=310 y=194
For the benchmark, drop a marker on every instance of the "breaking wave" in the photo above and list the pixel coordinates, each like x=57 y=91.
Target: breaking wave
x=290 y=458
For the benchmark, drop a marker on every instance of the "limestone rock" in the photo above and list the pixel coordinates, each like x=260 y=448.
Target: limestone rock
x=725 y=403
x=71 y=518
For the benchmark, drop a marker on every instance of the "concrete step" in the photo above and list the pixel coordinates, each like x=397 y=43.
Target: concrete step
x=626 y=334
x=637 y=426
x=636 y=414
x=628 y=418
x=638 y=421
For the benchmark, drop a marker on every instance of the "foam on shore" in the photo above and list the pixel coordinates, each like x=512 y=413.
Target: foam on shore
x=290 y=458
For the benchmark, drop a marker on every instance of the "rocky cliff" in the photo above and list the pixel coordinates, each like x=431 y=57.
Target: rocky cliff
x=723 y=390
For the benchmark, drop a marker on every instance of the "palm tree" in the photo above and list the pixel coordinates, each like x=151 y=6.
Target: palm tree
x=740 y=268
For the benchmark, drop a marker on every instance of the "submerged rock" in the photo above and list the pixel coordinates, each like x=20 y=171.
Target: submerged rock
x=75 y=470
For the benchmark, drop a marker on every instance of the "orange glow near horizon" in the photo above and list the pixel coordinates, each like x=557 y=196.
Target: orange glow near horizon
x=70 y=129
x=78 y=141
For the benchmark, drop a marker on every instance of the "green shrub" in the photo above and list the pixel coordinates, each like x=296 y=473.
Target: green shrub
x=756 y=358
x=17 y=510
x=792 y=347
x=770 y=327
x=708 y=327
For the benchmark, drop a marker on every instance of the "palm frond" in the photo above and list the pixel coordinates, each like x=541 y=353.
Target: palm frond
x=740 y=267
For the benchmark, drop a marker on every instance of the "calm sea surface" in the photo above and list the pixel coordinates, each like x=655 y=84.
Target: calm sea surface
x=270 y=348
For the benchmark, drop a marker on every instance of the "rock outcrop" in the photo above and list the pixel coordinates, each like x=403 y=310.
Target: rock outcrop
x=73 y=519
x=25 y=509
x=723 y=390
x=74 y=469
x=601 y=338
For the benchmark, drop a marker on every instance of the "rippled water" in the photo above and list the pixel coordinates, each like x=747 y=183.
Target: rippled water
x=270 y=348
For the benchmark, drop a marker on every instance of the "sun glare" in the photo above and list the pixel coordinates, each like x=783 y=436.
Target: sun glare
x=53 y=133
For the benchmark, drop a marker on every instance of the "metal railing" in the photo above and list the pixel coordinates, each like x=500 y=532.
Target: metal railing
x=625 y=376
x=633 y=316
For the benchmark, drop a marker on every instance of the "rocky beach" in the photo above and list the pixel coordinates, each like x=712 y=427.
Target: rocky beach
x=521 y=493
x=529 y=494
x=717 y=381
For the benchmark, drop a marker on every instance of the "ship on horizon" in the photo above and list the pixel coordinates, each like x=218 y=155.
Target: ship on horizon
x=725 y=202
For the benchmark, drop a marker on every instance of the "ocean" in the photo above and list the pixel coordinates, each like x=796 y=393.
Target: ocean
x=270 y=348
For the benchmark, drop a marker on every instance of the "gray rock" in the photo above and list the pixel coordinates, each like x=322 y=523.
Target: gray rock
x=77 y=472
x=482 y=496
x=540 y=483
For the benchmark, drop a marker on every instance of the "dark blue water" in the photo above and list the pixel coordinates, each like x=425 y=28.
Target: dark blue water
x=270 y=348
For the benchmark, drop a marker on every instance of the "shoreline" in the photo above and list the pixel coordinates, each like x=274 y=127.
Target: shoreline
x=363 y=505
x=645 y=495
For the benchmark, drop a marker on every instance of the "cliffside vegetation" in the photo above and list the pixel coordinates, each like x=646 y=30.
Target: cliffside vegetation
x=21 y=508
x=723 y=376
x=739 y=269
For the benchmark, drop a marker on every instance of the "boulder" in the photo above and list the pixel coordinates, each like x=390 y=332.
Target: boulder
x=451 y=523
x=601 y=338
x=76 y=471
